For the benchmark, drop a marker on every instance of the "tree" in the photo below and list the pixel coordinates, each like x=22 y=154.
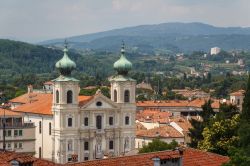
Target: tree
x=240 y=155
x=220 y=136
x=158 y=145
x=198 y=125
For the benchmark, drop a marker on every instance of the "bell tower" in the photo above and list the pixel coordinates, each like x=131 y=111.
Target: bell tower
x=123 y=93
x=65 y=111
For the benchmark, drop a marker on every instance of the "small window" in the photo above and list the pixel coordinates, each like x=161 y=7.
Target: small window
x=86 y=145
x=20 y=145
x=57 y=96
x=98 y=103
x=69 y=96
x=15 y=133
x=49 y=128
x=126 y=96
x=8 y=133
x=70 y=124
x=70 y=146
x=69 y=158
x=126 y=120
x=111 y=121
x=86 y=121
x=238 y=101
x=9 y=145
x=40 y=127
x=40 y=152
x=111 y=144
x=20 y=132
x=126 y=143
x=15 y=145
x=86 y=158
x=115 y=95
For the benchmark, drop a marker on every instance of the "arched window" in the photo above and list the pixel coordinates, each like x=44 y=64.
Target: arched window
x=57 y=96
x=126 y=96
x=115 y=95
x=49 y=128
x=86 y=121
x=69 y=96
x=99 y=122
x=127 y=120
x=70 y=122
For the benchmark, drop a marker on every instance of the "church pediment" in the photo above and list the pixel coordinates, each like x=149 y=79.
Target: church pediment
x=99 y=101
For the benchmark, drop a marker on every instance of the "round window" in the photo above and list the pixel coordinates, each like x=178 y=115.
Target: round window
x=99 y=103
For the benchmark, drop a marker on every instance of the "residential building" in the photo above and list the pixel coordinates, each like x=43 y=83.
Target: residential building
x=165 y=133
x=237 y=98
x=19 y=135
x=215 y=50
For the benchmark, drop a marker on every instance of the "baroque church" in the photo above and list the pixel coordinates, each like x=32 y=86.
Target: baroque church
x=96 y=126
x=73 y=128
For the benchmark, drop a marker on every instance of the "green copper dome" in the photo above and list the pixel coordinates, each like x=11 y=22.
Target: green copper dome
x=123 y=66
x=65 y=65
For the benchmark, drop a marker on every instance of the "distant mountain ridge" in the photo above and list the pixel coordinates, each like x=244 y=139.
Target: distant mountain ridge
x=169 y=36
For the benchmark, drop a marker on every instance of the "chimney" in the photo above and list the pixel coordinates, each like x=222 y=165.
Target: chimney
x=157 y=161
x=30 y=89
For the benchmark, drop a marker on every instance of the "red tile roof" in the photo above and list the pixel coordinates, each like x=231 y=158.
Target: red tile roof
x=191 y=157
x=7 y=157
x=40 y=103
x=9 y=113
x=182 y=122
x=178 y=103
x=162 y=132
x=153 y=116
x=238 y=93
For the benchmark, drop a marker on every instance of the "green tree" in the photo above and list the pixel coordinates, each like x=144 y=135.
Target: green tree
x=240 y=155
x=220 y=136
x=158 y=145
x=199 y=125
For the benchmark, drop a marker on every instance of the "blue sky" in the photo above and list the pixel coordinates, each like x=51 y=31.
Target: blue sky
x=38 y=20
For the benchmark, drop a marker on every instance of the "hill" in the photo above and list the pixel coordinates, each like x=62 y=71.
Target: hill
x=173 y=37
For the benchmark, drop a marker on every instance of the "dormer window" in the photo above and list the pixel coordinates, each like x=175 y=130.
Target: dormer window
x=69 y=97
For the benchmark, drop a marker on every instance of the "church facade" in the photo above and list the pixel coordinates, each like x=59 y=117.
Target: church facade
x=95 y=126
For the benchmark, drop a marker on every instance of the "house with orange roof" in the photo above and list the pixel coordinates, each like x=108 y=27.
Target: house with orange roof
x=152 y=118
x=178 y=107
x=237 y=97
x=19 y=135
x=165 y=133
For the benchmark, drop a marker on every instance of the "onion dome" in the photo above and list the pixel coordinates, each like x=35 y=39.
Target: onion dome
x=65 y=65
x=123 y=66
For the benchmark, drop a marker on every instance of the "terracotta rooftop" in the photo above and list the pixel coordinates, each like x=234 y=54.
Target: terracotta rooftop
x=178 y=103
x=238 y=93
x=153 y=116
x=191 y=157
x=7 y=157
x=182 y=122
x=162 y=132
x=39 y=103
x=9 y=113
x=48 y=83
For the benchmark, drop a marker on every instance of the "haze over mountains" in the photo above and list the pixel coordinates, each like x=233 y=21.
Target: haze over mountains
x=166 y=37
